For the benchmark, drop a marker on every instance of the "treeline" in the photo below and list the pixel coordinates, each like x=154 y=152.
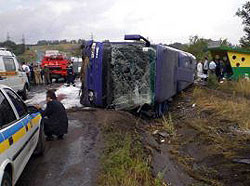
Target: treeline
x=17 y=49
x=56 y=42
x=199 y=46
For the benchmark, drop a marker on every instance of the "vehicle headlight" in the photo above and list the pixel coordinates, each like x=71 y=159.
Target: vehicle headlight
x=91 y=96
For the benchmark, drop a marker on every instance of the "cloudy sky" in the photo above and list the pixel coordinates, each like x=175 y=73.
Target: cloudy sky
x=164 y=21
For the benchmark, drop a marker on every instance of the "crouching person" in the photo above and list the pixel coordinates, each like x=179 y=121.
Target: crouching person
x=54 y=117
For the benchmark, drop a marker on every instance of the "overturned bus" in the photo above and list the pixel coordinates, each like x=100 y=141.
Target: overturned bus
x=133 y=75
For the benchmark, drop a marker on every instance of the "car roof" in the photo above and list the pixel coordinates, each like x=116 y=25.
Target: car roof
x=5 y=52
x=4 y=86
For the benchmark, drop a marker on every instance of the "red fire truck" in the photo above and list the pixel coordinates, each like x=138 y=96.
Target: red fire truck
x=57 y=63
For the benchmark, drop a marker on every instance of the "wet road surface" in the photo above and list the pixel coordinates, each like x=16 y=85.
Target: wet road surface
x=73 y=161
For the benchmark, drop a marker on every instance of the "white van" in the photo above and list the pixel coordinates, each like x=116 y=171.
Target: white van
x=11 y=73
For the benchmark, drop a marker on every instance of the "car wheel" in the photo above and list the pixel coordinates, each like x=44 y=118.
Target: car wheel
x=6 y=181
x=40 y=148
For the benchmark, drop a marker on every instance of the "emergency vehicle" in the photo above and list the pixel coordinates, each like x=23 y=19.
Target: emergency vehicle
x=57 y=63
x=12 y=74
x=21 y=135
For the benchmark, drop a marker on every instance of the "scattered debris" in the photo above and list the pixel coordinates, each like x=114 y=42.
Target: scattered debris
x=160 y=136
x=242 y=161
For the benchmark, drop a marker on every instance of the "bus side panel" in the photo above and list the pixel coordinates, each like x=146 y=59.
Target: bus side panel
x=167 y=61
x=94 y=74
x=185 y=71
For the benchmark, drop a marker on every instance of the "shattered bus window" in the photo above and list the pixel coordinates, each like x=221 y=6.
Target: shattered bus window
x=132 y=71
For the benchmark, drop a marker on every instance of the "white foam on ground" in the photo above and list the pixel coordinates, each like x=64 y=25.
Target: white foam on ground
x=70 y=94
x=72 y=97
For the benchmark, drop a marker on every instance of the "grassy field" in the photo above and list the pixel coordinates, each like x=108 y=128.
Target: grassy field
x=33 y=53
x=212 y=135
x=208 y=136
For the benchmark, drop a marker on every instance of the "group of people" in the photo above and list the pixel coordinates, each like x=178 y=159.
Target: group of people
x=221 y=68
x=36 y=74
x=55 y=117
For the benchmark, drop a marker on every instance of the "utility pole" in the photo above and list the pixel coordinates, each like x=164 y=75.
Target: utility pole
x=23 y=39
x=8 y=37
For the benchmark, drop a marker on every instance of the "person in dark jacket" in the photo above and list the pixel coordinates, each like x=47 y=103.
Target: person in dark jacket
x=54 y=117
x=70 y=75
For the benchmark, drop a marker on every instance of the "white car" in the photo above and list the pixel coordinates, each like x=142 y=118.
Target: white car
x=11 y=73
x=21 y=135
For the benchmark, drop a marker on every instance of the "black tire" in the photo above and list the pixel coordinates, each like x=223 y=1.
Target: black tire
x=6 y=181
x=40 y=147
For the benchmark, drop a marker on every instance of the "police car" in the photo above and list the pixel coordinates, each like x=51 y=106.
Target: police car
x=21 y=135
x=11 y=73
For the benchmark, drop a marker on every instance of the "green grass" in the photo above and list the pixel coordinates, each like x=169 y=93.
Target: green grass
x=168 y=124
x=240 y=87
x=124 y=162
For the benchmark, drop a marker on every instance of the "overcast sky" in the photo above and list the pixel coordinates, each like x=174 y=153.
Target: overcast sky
x=164 y=21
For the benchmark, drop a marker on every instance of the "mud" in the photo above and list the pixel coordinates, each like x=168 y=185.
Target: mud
x=73 y=161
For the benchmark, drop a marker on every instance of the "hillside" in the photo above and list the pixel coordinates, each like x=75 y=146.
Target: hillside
x=35 y=52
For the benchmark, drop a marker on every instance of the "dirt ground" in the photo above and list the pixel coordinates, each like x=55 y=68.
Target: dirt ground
x=76 y=159
x=203 y=148
x=72 y=161
x=195 y=146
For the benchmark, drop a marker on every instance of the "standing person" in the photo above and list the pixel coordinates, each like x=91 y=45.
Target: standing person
x=206 y=64
x=42 y=74
x=54 y=117
x=83 y=72
x=222 y=70
x=218 y=69
x=37 y=74
x=46 y=75
x=205 y=68
x=200 y=74
x=26 y=69
x=212 y=67
x=32 y=76
x=70 y=75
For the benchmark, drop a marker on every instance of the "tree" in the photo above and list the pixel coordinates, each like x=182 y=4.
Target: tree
x=244 y=14
x=198 y=47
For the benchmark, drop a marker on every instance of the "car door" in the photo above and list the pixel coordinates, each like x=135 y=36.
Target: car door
x=25 y=139
x=21 y=75
x=8 y=123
